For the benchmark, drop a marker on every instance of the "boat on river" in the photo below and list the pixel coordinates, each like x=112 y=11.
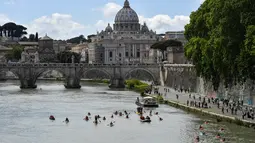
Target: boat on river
x=147 y=102
x=146 y=121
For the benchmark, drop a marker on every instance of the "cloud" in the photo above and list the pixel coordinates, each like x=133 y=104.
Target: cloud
x=4 y=19
x=109 y=10
x=59 y=26
x=101 y=25
x=10 y=2
x=160 y=23
x=163 y=23
x=202 y=1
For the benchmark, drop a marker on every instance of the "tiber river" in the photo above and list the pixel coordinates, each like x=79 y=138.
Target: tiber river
x=24 y=118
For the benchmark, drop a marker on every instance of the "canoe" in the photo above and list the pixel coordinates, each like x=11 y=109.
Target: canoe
x=146 y=121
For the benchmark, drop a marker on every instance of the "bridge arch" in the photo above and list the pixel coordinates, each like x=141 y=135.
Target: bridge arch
x=44 y=71
x=94 y=73
x=12 y=71
x=138 y=72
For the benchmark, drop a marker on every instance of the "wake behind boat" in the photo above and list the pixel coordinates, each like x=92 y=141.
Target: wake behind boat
x=147 y=102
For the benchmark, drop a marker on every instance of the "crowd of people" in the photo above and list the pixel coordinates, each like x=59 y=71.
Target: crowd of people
x=236 y=108
x=125 y=114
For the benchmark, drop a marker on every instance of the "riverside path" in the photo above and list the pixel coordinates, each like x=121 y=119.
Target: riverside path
x=183 y=97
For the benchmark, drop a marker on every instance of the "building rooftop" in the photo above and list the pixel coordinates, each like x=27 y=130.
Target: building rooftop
x=46 y=38
x=28 y=43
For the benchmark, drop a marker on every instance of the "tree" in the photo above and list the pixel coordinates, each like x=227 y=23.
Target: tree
x=66 y=57
x=10 y=29
x=217 y=41
x=15 y=53
x=24 y=38
x=1 y=29
x=36 y=37
x=77 y=40
x=31 y=37
x=163 y=45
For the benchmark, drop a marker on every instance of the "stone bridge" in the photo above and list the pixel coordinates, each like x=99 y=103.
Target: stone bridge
x=72 y=73
x=180 y=76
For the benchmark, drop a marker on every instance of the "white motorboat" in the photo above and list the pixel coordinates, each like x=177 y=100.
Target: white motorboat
x=147 y=102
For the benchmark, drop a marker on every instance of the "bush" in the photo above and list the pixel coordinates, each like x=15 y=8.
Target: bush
x=136 y=85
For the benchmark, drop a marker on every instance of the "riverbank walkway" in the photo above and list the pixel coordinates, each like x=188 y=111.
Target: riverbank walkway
x=183 y=97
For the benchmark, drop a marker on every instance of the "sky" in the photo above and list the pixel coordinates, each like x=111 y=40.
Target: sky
x=64 y=19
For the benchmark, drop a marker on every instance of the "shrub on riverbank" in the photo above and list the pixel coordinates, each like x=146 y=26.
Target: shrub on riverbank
x=136 y=85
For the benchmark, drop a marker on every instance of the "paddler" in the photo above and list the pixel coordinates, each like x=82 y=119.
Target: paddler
x=151 y=113
x=111 y=124
x=120 y=113
x=156 y=113
x=218 y=136
x=89 y=114
x=160 y=119
x=127 y=116
x=142 y=117
x=116 y=112
x=112 y=116
x=126 y=112
x=52 y=117
x=67 y=120
x=104 y=118
x=197 y=139
x=148 y=118
x=86 y=118
x=200 y=127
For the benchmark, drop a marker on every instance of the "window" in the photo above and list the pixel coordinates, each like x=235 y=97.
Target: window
x=110 y=54
x=131 y=54
x=101 y=55
x=126 y=54
x=102 y=37
x=119 y=44
x=138 y=54
x=119 y=54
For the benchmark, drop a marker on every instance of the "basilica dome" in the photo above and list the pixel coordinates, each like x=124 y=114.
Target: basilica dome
x=126 y=15
x=108 y=28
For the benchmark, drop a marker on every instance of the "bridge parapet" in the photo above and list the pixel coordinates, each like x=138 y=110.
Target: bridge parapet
x=64 y=65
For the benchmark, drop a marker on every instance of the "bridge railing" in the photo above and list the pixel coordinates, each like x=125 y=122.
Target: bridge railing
x=2 y=65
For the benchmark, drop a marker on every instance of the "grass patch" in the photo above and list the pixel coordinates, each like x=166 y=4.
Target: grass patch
x=136 y=85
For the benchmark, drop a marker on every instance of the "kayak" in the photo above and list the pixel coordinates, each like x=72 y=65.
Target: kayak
x=146 y=121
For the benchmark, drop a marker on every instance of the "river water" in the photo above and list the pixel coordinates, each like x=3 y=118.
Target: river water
x=24 y=118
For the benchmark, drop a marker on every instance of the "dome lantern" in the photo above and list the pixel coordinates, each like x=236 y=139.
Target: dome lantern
x=126 y=4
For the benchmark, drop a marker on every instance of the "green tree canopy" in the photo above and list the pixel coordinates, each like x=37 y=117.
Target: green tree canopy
x=15 y=53
x=66 y=57
x=220 y=41
x=77 y=40
x=11 y=29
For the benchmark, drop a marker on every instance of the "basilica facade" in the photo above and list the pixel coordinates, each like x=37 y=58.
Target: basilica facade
x=126 y=42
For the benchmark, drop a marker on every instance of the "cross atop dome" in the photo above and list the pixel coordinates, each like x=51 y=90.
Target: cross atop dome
x=126 y=4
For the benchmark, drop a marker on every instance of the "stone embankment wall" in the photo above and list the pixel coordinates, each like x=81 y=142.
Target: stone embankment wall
x=243 y=92
x=189 y=80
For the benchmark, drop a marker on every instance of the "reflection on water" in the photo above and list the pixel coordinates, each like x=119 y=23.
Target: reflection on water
x=24 y=118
